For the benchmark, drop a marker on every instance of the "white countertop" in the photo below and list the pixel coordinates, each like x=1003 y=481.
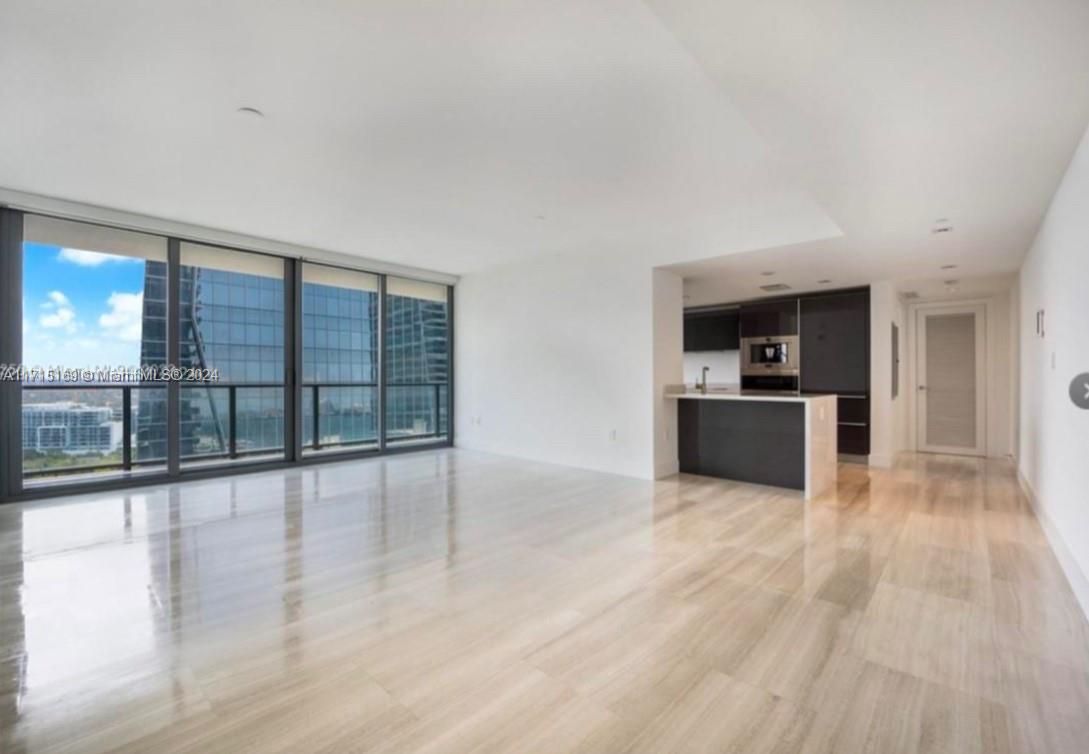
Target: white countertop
x=719 y=394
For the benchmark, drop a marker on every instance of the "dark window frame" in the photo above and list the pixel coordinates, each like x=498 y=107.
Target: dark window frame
x=12 y=476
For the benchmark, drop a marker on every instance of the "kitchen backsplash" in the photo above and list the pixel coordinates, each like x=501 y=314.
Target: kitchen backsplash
x=725 y=367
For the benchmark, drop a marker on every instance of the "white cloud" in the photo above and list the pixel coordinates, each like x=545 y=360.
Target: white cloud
x=124 y=318
x=56 y=298
x=59 y=313
x=78 y=352
x=59 y=318
x=72 y=344
x=90 y=258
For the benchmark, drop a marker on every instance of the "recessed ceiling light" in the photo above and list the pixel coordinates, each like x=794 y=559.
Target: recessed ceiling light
x=768 y=273
x=822 y=282
x=949 y=267
x=251 y=111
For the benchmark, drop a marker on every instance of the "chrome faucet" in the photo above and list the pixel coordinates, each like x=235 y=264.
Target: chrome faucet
x=702 y=384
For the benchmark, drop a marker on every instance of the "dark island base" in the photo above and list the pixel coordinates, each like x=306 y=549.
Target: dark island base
x=762 y=442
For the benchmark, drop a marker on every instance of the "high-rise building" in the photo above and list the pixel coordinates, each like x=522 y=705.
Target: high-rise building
x=340 y=359
x=233 y=322
x=417 y=364
x=151 y=409
x=70 y=428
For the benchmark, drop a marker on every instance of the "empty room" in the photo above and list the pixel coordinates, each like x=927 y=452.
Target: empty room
x=520 y=376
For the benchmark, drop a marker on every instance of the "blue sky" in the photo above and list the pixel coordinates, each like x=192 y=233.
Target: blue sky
x=80 y=308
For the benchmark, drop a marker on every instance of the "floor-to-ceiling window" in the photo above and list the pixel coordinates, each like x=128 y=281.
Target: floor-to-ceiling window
x=340 y=358
x=93 y=314
x=231 y=332
x=417 y=346
x=282 y=359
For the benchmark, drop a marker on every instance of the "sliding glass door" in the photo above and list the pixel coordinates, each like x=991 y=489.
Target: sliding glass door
x=417 y=346
x=153 y=357
x=231 y=331
x=340 y=359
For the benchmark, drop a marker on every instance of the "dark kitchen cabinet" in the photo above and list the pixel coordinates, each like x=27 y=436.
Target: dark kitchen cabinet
x=711 y=331
x=835 y=358
x=853 y=431
x=853 y=439
x=835 y=343
x=766 y=318
x=762 y=442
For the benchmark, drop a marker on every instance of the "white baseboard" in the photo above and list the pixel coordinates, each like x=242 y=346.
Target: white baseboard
x=1079 y=582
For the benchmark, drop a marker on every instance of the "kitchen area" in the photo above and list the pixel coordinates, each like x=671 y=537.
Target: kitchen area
x=777 y=390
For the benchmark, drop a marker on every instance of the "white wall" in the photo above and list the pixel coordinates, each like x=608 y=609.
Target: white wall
x=668 y=302
x=556 y=354
x=885 y=417
x=1014 y=368
x=555 y=361
x=1000 y=352
x=1054 y=433
x=725 y=367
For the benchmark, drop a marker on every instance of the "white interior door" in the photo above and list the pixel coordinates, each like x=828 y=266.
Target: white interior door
x=951 y=381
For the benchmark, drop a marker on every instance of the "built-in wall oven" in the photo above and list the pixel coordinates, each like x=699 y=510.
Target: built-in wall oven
x=770 y=355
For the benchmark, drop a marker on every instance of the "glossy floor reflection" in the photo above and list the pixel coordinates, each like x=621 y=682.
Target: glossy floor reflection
x=455 y=601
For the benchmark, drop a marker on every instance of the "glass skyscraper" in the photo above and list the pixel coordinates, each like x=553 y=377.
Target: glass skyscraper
x=418 y=370
x=233 y=322
x=151 y=410
x=340 y=356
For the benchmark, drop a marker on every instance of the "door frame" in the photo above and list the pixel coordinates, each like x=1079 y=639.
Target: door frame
x=979 y=308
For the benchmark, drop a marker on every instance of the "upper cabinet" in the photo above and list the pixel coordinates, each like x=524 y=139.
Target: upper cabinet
x=711 y=331
x=835 y=343
x=772 y=318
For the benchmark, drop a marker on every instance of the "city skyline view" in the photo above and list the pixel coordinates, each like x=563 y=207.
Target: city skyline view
x=98 y=312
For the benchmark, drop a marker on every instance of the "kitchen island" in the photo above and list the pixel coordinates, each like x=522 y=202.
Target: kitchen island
x=779 y=439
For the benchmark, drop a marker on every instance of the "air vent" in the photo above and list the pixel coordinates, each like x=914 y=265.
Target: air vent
x=774 y=287
x=911 y=294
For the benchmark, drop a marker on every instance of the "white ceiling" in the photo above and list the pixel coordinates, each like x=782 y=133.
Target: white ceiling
x=448 y=136
x=896 y=114
x=454 y=136
x=953 y=287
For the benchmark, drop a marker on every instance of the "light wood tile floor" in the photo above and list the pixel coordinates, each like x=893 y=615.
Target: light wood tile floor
x=455 y=601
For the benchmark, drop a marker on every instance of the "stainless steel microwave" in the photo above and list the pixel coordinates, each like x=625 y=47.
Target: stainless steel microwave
x=775 y=354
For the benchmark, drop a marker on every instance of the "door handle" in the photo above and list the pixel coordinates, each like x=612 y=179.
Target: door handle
x=922 y=387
